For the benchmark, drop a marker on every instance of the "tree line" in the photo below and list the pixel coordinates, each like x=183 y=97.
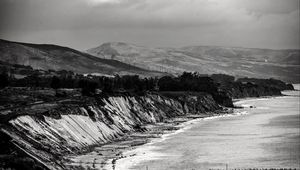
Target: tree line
x=185 y=82
x=222 y=87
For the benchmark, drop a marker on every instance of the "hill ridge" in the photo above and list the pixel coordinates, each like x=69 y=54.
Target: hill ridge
x=236 y=61
x=50 y=56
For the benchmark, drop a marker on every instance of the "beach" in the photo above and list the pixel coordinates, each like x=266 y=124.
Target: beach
x=265 y=134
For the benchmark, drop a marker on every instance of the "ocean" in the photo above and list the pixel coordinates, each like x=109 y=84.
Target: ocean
x=264 y=134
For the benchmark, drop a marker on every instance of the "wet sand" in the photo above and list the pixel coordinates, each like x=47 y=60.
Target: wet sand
x=209 y=140
x=267 y=137
x=110 y=155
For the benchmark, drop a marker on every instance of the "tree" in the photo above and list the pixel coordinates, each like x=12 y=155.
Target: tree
x=34 y=79
x=168 y=83
x=3 y=80
x=88 y=87
x=55 y=83
x=222 y=78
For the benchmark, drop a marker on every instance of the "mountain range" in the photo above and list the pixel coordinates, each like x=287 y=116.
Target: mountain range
x=48 y=56
x=124 y=58
x=236 y=61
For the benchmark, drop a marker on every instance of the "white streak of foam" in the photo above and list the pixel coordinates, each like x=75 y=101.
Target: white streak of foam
x=147 y=152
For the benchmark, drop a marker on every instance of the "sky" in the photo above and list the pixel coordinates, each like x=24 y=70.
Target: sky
x=83 y=24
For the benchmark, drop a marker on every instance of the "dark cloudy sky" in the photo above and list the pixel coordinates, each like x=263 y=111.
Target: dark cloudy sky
x=83 y=24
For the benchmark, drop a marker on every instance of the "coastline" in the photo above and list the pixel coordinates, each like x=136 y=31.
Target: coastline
x=123 y=153
x=140 y=151
x=138 y=146
x=145 y=151
x=126 y=149
x=138 y=154
x=109 y=155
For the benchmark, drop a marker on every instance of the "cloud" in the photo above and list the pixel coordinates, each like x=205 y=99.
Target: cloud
x=101 y=2
x=261 y=23
x=268 y=6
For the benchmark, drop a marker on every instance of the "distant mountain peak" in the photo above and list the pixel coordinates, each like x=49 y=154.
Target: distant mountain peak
x=49 y=56
x=236 y=61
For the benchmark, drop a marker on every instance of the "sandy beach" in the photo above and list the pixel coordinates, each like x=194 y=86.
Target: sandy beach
x=126 y=151
x=159 y=150
x=147 y=152
x=131 y=151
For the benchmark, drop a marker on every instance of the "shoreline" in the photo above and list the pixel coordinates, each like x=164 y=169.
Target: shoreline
x=141 y=150
x=121 y=163
x=106 y=156
x=110 y=156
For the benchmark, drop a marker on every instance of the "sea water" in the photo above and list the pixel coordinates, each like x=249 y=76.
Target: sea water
x=268 y=136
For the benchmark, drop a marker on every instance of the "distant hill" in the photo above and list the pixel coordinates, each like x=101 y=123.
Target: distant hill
x=47 y=56
x=239 y=62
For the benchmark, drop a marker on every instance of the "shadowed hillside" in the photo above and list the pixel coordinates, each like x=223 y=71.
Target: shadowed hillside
x=46 y=56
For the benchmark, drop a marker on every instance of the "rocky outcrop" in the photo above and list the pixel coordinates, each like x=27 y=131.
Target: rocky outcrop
x=243 y=90
x=267 y=83
x=193 y=102
x=69 y=129
x=250 y=87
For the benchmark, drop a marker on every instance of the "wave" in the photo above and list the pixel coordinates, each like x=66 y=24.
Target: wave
x=152 y=154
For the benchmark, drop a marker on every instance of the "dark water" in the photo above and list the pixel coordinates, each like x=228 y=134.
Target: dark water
x=267 y=137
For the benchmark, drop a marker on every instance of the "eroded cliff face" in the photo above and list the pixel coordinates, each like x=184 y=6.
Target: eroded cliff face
x=69 y=129
x=254 y=91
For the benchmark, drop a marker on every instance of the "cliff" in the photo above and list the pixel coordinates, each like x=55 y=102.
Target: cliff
x=249 y=87
x=252 y=90
x=70 y=127
x=49 y=127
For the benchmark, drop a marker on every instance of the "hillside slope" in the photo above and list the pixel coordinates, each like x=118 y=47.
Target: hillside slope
x=239 y=62
x=46 y=56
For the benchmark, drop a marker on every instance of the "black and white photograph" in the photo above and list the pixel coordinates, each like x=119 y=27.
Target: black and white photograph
x=149 y=84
